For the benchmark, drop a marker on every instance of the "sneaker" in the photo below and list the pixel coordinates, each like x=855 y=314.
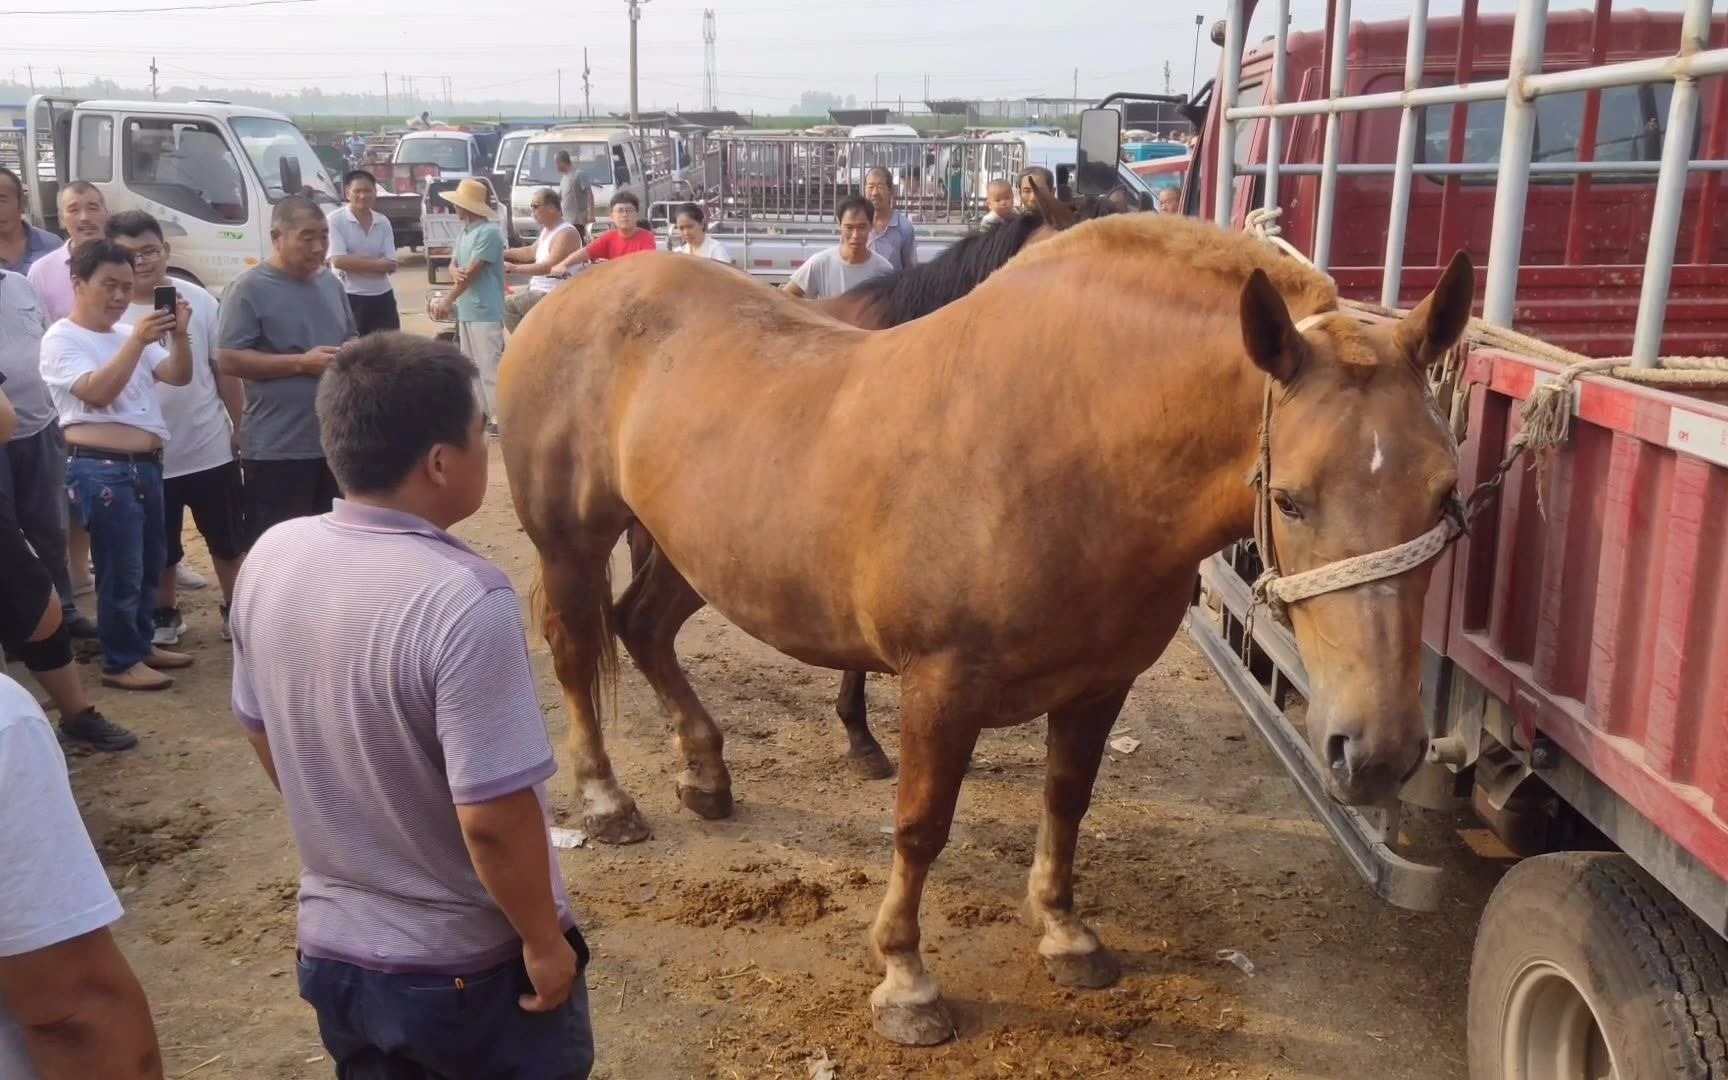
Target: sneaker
x=137 y=677
x=187 y=578
x=90 y=728
x=163 y=660
x=169 y=626
x=81 y=628
x=227 y=631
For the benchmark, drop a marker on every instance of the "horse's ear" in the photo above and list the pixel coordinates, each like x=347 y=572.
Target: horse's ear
x=1054 y=210
x=1428 y=333
x=1267 y=332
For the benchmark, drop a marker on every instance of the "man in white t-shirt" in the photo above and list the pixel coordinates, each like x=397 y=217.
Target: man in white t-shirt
x=69 y=1003
x=834 y=270
x=199 y=472
x=102 y=375
x=558 y=240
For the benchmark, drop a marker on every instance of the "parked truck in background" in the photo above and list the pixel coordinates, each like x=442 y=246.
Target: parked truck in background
x=1575 y=638
x=209 y=171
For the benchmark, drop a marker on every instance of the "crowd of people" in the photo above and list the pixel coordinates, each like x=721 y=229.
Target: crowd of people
x=380 y=667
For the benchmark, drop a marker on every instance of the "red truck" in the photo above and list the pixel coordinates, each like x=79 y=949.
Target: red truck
x=1576 y=640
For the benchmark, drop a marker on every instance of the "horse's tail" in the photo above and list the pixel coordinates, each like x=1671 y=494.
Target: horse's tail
x=587 y=630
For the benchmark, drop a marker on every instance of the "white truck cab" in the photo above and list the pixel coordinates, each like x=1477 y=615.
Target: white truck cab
x=611 y=159
x=209 y=171
x=456 y=153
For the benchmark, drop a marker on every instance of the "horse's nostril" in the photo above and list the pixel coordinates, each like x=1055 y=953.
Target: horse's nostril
x=1338 y=756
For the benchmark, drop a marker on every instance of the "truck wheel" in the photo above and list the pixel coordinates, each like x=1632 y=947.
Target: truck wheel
x=1585 y=968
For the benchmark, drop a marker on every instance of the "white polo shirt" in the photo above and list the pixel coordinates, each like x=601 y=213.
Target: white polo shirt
x=348 y=238
x=200 y=434
x=69 y=352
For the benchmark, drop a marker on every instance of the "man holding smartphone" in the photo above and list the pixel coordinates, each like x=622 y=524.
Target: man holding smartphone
x=199 y=472
x=282 y=322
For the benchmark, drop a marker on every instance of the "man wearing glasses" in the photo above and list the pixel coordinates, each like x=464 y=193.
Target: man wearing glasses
x=558 y=239
x=199 y=472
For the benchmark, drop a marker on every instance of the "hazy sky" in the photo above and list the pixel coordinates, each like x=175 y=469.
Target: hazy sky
x=769 y=51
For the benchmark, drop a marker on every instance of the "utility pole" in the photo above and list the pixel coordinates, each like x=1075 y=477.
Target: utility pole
x=710 y=65
x=1194 y=68
x=560 y=93
x=876 y=95
x=152 y=78
x=30 y=70
x=386 y=93
x=587 y=104
x=635 y=17
x=1076 y=84
x=60 y=71
x=1166 y=76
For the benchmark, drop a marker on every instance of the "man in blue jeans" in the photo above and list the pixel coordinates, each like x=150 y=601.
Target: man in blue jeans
x=406 y=738
x=102 y=376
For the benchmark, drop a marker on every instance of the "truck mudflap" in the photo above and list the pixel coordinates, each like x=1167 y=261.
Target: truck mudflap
x=1366 y=836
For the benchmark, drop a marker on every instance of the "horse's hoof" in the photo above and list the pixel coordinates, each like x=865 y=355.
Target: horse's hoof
x=1084 y=971
x=913 y=1025
x=626 y=826
x=708 y=805
x=870 y=764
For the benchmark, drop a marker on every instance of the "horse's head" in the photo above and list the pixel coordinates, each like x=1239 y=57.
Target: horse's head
x=1361 y=462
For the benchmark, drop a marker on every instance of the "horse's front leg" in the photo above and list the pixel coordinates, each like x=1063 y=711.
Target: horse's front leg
x=1074 y=748
x=938 y=728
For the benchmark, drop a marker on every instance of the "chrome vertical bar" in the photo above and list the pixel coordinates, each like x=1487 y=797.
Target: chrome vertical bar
x=1517 y=142
x=1228 y=87
x=1275 y=95
x=1398 y=217
x=1323 y=213
x=1670 y=191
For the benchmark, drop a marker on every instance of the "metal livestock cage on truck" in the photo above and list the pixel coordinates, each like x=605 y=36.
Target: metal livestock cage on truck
x=1576 y=639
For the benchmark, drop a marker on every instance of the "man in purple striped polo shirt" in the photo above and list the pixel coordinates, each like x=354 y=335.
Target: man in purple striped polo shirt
x=381 y=671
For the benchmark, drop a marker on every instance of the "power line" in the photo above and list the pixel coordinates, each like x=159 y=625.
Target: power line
x=228 y=5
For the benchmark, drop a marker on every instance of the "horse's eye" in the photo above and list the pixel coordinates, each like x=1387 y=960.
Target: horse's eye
x=1286 y=505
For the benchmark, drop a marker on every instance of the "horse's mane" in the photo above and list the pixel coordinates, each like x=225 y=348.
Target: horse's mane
x=1196 y=252
x=914 y=293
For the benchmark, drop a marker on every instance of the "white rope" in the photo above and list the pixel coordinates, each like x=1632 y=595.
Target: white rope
x=1263 y=224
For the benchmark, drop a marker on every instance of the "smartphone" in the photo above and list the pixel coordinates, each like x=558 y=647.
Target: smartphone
x=166 y=297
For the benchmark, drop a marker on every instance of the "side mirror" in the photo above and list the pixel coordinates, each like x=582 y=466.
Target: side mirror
x=1099 y=150
x=288 y=171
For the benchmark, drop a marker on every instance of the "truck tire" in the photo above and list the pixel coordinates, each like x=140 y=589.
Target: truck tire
x=1586 y=968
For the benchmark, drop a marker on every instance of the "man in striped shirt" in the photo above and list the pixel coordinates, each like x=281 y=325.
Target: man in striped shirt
x=406 y=738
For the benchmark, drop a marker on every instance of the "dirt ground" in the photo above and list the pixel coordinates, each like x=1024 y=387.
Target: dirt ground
x=735 y=949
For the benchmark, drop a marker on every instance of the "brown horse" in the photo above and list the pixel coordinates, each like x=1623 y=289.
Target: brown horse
x=892 y=300
x=1005 y=503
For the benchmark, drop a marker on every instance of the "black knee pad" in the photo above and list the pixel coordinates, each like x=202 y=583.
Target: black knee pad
x=50 y=654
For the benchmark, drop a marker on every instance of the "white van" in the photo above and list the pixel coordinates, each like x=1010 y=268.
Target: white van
x=209 y=171
x=611 y=159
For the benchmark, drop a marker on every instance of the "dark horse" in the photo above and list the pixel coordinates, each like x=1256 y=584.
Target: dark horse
x=889 y=301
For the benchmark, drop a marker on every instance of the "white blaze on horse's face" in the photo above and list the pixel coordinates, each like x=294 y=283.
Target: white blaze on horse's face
x=1346 y=394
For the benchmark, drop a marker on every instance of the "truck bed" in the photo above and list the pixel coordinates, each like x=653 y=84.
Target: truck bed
x=1599 y=614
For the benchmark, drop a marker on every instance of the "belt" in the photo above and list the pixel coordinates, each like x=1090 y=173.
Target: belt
x=145 y=457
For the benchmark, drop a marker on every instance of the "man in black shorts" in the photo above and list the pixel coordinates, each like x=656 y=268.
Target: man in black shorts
x=282 y=322
x=199 y=472
x=31 y=629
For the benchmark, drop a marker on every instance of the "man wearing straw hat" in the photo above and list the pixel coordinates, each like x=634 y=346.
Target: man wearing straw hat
x=478 y=297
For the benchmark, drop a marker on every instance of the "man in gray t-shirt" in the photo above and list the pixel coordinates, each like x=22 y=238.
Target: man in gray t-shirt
x=834 y=270
x=281 y=323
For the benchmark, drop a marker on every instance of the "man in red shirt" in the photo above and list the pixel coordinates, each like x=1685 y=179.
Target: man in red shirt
x=624 y=238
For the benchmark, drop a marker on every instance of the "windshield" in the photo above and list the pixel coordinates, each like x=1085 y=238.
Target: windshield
x=267 y=142
x=592 y=159
x=510 y=151
x=450 y=155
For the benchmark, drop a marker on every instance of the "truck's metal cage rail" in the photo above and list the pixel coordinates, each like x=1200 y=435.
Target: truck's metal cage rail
x=801 y=180
x=1524 y=83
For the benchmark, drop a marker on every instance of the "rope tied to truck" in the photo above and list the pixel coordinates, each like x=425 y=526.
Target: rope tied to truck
x=1547 y=414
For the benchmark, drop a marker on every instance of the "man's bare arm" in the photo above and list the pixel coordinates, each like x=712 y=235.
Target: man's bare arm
x=361 y=264
x=261 y=746
x=252 y=364
x=82 y=1011
x=506 y=839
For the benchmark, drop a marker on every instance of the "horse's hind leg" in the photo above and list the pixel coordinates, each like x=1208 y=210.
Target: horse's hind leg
x=865 y=757
x=1074 y=749
x=652 y=609
x=577 y=622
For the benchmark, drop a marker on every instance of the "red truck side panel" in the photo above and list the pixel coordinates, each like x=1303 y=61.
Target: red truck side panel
x=1599 y=613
